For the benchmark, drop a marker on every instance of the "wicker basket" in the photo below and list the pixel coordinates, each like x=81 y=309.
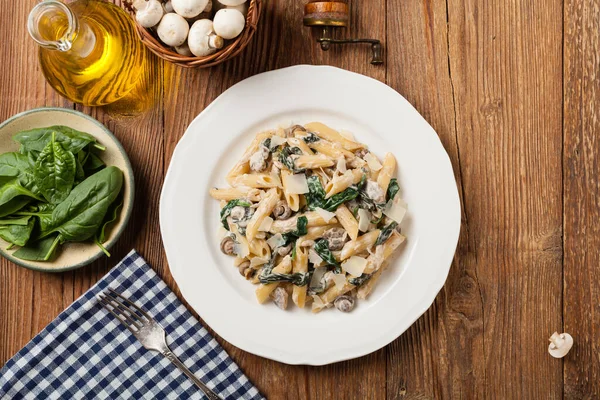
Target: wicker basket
x=232 y=49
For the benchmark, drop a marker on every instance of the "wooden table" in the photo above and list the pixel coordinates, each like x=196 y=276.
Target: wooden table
x=510 y=86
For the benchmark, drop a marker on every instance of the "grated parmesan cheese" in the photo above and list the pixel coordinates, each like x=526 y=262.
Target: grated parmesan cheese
x=241 y=249
x=341 y=164
x=314 y=258
x=395 y=210
x=364 y=219
x=339 y=280
x=277 y=141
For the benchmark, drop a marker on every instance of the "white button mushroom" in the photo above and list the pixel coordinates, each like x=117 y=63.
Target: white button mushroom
x=173 y=29
x=184 y=50
x=189 y=8
x=231 y=2
x=229 y=23
x=168 y=7
x=202 y=39
x=560 y=344
x=148 y=13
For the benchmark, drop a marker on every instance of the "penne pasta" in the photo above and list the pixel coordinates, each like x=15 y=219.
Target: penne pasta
x=347 y=221
x=331 y=150
x=288 y=225
x=340 y=183
x=299 y=143
x=385 y=174
x=312 y=162
x=292 y=199
x=260 y=248
x=359 y=245
x=326 y=132
x=265 y=208
x=374 y=261
x=314 y=233
x=256 y=181
x=231 y=193
x=242 y=166
x=331 y=294
x=300 y=265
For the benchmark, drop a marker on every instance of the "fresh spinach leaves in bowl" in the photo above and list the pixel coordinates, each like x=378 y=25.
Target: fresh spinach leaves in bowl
x=56 y=189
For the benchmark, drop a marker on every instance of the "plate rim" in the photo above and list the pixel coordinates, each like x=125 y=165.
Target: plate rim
x=128 y=210
x=398 y=329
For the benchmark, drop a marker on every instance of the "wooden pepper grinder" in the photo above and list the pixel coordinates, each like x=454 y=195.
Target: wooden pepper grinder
x=335 y=13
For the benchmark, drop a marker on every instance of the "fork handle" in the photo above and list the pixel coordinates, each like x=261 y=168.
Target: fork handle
x=207 y=391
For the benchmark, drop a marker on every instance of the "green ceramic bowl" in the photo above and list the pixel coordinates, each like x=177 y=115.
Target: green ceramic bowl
x=72 y=255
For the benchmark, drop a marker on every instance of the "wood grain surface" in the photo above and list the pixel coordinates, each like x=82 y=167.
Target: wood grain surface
x=511 y=88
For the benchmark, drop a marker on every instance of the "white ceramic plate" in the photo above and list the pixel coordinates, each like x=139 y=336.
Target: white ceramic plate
x=377 y=116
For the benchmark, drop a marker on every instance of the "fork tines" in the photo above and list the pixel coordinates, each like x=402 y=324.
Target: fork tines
x=130 y=315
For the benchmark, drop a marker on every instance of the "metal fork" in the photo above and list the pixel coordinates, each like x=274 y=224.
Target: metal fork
x=147 y=331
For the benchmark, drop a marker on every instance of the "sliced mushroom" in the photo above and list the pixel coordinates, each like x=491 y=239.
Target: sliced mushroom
x=282 y=210
x=227 y=245
x=245 y=269
x=344 y=303
x=336 y=237
x=258 y=160
x=291 y=131
x=238 y=212
x=280 y=297
x=361 y=153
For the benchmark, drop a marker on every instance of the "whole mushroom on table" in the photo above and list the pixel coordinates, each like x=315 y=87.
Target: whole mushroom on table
x=193 y=27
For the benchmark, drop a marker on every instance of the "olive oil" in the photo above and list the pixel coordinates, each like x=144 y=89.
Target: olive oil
x=89 y=50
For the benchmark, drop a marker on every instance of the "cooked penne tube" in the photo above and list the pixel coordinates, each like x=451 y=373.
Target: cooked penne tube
x=340 y=183
x=265 y=208
x=389 y=247
x=292 y=199
x=312 y=162
x=256 y=181
x=359 y=245
x=326 y=132
x=230 y=193
x=260 y=248
x=288 y=225
x=264 y=290
x=330 y=149
x=300 y=265
x=242 y=165
x=299 y=143
x=348 y=221
x=385 y=174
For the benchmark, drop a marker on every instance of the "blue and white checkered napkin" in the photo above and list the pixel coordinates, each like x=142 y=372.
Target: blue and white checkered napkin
x=86 y=353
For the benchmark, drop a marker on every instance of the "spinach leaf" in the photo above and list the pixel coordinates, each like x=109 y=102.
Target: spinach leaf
x=316 y=194
x=13 y=205
x=111 y=216
x=226 y=211
x=385 y=233
x=12 y=164
x=294 y=252
x=11 y=189
x=80 y=215
x=17 y=234
x=24 y=220
x=93 y=163
x=79 y=171
x=311 y=138
x=360 y=280
x=298 y=278
x=54 y=172
x=71 y=139
x=393 y=189
x=322 y=249
x=41 y=250
x=332 y=203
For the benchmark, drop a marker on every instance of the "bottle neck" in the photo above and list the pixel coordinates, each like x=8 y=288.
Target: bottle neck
x=53 y=25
